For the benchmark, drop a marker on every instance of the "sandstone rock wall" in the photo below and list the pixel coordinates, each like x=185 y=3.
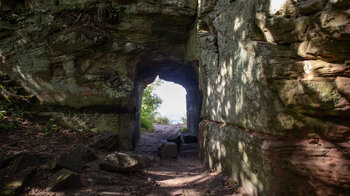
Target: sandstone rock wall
x=82 y=59
x=273 y=74
x=276 y=71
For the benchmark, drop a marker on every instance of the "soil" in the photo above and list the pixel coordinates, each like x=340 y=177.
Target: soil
x=184 y=175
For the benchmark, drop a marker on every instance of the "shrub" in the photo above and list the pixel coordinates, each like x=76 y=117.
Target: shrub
x=183 y=120
x=150 y=104
x=162 y=120
x=51 y=127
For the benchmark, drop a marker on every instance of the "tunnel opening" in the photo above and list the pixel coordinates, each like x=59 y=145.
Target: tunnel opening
x=164 y=103
x=185 y=75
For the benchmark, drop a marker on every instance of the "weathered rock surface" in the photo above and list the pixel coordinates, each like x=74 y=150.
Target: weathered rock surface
x=278 y=69
x=175 y=139
x=270 y=165
x=124 y=162
x=75 y=159
x=65 y=180
x=168 y=150
x=108 y=141
x=87 y=61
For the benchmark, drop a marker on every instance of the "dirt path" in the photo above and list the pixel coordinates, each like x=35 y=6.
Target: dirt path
x=181 y=176
x=150 y=141
x=184 y=175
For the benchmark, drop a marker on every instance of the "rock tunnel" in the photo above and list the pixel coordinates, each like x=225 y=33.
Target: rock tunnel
x=267 y=80
x=186 y=75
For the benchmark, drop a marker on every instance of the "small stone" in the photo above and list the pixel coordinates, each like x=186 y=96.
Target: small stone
x=108 y=141
x=168 y=150
x=176 y=140
x=123 y=162
x=75 y=159
x=64 y=180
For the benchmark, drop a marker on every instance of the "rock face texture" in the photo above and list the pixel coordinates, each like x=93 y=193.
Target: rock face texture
x=124 y=162
x=87 y=62
x=168 y=150
x=273 y=78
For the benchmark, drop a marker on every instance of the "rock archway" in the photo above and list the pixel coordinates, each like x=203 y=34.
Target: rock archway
x=274 y=76
x=186 y=75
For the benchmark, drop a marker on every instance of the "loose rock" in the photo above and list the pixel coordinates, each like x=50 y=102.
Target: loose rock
x=65 y=179
x=176 y=140
x=108 y=141
x=75 y=159
x=168 y=150
x=123 y=162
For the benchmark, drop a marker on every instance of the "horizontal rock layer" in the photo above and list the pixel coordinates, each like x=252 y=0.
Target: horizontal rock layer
x=85 y=61
x=275 y=79
x=273 y=165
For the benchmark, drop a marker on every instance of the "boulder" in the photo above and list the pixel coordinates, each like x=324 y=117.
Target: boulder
x=23 y=161
x=176 y=139
x=108 y=141
x=65 y=179
x=15 y=184
x=124 y=162
x=75 y=159
x=168 y=150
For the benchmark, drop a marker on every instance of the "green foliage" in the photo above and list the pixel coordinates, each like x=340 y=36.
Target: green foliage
x=184 y=129
x=51 y=127
x=2 y=114
x=4 y=105
x=5 y=111
x=183 y=120
x=150 y=104
x=8 y=125
x=162 y=120
x=146 y=123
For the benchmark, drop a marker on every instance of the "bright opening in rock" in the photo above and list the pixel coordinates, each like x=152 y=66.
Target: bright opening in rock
x=182 y=103
x=173 y=106
x=164 y=121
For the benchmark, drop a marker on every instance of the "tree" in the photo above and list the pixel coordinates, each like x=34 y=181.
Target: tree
x=150 y=104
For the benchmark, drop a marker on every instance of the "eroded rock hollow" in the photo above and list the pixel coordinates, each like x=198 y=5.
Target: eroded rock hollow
x=267 y=81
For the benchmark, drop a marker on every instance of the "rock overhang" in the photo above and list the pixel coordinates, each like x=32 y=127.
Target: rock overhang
x=80 y=59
